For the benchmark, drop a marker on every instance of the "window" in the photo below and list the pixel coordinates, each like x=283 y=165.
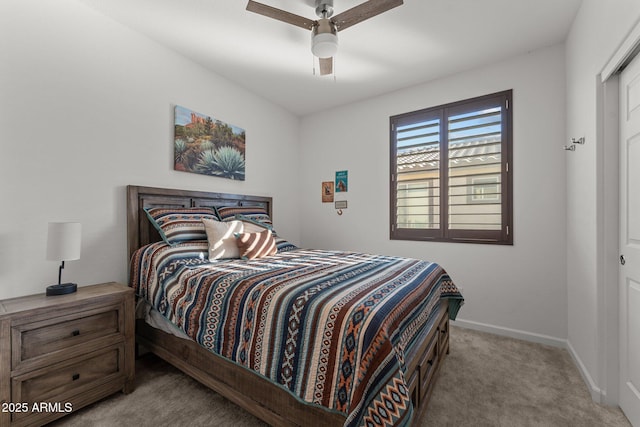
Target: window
x=451 y=173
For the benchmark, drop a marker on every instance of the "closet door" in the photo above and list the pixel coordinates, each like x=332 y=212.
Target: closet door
x=629 y=282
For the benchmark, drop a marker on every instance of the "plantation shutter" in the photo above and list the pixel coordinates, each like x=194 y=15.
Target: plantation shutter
x=450 y=177
x=418 y=175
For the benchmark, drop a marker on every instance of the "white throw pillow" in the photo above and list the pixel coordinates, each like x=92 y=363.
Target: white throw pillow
x=222 y=242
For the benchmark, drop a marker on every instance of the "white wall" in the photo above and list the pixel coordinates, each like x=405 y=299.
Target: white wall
x=86 y=107
x=520 y=287
x=599 y=28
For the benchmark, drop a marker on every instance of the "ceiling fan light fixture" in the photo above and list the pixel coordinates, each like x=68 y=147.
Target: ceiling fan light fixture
x=324 y=45
x=324 y=39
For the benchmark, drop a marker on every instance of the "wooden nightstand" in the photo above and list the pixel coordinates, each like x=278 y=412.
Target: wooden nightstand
x=60 y=353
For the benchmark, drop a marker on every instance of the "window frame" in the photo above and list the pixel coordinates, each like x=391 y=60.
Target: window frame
x=503 y=236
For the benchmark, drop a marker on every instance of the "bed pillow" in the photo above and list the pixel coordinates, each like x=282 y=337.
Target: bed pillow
x=222 y=240
x=256 y=245
x=177 y=225
x=245 y=213
x=254 y=226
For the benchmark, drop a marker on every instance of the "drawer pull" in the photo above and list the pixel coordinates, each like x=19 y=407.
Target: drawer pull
x=75 y=377
x=75 y=332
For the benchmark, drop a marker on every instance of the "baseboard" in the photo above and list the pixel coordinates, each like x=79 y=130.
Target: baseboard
x=511 y=333
x=597 y=394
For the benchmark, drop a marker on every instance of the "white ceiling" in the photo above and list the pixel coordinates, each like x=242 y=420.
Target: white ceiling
x=413 y=43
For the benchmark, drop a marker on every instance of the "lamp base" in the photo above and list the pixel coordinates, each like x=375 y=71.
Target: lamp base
x=62 y=289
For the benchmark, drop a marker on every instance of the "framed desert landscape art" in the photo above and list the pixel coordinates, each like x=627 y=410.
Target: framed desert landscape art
x=208 y=146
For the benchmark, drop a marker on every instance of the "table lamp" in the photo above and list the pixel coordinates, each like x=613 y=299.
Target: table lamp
x=63 y=244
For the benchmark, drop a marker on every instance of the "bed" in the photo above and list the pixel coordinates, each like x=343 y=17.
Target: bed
x=299 y=337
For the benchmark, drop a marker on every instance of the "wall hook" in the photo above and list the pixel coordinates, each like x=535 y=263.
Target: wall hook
x=578 y=141
x=569 y=147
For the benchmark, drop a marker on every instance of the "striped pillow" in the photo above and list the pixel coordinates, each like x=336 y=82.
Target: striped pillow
x=244 y=213
x=254 y=226
x=177 y=225
x=256 y=245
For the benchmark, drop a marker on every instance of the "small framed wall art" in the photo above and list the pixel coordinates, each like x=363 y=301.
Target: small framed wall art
x=342 y=181
x=327 y=192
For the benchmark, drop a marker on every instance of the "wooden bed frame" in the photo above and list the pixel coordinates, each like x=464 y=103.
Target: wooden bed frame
x=250 y=391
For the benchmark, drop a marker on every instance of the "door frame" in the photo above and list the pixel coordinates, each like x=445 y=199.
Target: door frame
x=608 y=230
x=607 y=214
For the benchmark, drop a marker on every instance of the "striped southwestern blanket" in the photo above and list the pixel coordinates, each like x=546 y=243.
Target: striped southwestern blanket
x=330 y=327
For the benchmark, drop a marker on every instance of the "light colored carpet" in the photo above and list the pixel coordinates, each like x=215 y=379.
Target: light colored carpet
x=499 y=381
x=486 y=380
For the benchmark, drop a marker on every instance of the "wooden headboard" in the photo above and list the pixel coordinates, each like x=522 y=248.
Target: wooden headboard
x=141 y=232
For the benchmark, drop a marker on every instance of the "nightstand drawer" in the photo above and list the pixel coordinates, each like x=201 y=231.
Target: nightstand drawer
x=58 y=383
x=38 y=340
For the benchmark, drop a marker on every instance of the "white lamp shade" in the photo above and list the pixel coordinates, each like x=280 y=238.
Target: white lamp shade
x=64 y=241
x=324 y=45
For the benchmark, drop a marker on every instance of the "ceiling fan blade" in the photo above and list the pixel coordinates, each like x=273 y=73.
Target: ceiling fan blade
x=280 y=15
x=363 y=11
x=326 y=66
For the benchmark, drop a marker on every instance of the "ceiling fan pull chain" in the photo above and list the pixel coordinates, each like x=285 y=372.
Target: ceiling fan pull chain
x=334 y=69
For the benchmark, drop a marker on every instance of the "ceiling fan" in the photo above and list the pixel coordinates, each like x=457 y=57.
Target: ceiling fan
x=324 y=31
